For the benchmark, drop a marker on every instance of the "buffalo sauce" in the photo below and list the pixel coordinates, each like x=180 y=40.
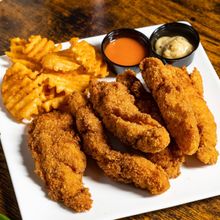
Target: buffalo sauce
x=125 y=51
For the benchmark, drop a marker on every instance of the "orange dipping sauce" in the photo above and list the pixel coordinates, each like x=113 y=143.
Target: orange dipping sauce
x=125 y=51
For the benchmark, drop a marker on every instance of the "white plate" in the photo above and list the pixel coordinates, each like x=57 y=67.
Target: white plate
x=111 y=200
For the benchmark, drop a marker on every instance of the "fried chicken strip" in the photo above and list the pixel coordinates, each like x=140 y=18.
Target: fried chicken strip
x=196 y=80
x=58 y=159
x=173 y=103
x=171 y=158
x=143 y=99
x=121 y=167
x=207 y=152
x=121 y=117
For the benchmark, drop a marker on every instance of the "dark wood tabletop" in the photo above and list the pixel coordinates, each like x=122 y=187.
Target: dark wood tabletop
x=60 y=20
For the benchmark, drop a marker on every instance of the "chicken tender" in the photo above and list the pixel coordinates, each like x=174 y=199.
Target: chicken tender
x=58 y=160
x=207 y=152
x=120 y=116
x=143 y=99
x=171 y=158
x=173 y=103
x=196 y=80
x=121 y=167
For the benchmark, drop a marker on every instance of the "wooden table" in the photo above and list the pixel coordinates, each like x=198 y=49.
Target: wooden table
x=59 y=20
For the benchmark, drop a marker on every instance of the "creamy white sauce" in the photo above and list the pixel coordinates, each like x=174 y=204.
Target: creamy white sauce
x=173 y=47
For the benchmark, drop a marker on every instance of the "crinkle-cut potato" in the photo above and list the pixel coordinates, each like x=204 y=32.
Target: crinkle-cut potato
x=67 y=82
x=42 y=74
x=21 y=91
x=30 y=52
x=87 y=56
x=27 y=93
x=53 y=61
x=80 y=58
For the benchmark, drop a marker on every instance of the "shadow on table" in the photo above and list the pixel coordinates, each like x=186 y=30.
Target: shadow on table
x=192 y=162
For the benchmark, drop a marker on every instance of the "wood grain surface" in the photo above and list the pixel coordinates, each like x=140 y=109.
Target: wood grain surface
x=59 y=20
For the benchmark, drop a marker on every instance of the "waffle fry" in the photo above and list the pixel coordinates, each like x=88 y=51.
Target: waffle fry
x=21 y=93
x=57 y=62
x=42 y=75
x=87 y=56
x=67 y=82
x=26 y=93
x=32 y=50
x=81 y=57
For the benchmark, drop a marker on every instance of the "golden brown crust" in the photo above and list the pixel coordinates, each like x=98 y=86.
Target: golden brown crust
x=120 y=116
x=207 y=152
x=196 y=81
x=173 y=103
x=58 y=159
x=119 y=166
x=143 y=99
x=171 y=158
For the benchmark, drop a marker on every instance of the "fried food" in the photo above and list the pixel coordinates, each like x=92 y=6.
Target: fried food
x=121 y=117
x=58 y=160
x=56 y=74
x=173 y=103
x=171 y=158
x=207 y=152
x=80 y=58
x=56 y=62
x=32 y=51
x=121 y=167
x=27 y=93
x=21 y=92
x=88 y=57
x=196 y=81
x=143 y=99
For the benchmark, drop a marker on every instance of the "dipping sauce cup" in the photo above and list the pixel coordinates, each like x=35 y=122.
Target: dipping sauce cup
x=124 y=49
x=188 y=37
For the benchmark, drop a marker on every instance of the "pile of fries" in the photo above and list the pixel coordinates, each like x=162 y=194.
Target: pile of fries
x=42 y=74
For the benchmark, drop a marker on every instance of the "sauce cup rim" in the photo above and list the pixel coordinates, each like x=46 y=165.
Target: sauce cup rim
x=146 y=39
x=164 y=26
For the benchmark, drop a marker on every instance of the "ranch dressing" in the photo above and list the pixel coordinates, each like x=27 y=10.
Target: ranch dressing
x=173 y=47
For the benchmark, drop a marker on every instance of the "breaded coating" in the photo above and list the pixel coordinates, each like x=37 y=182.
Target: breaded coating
x=207 y=152
x=173 y=103
x=120 y=116
x=196 y=80
x=58 y=160
x=171 y=158
x=143 y=99
x=121 y=167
